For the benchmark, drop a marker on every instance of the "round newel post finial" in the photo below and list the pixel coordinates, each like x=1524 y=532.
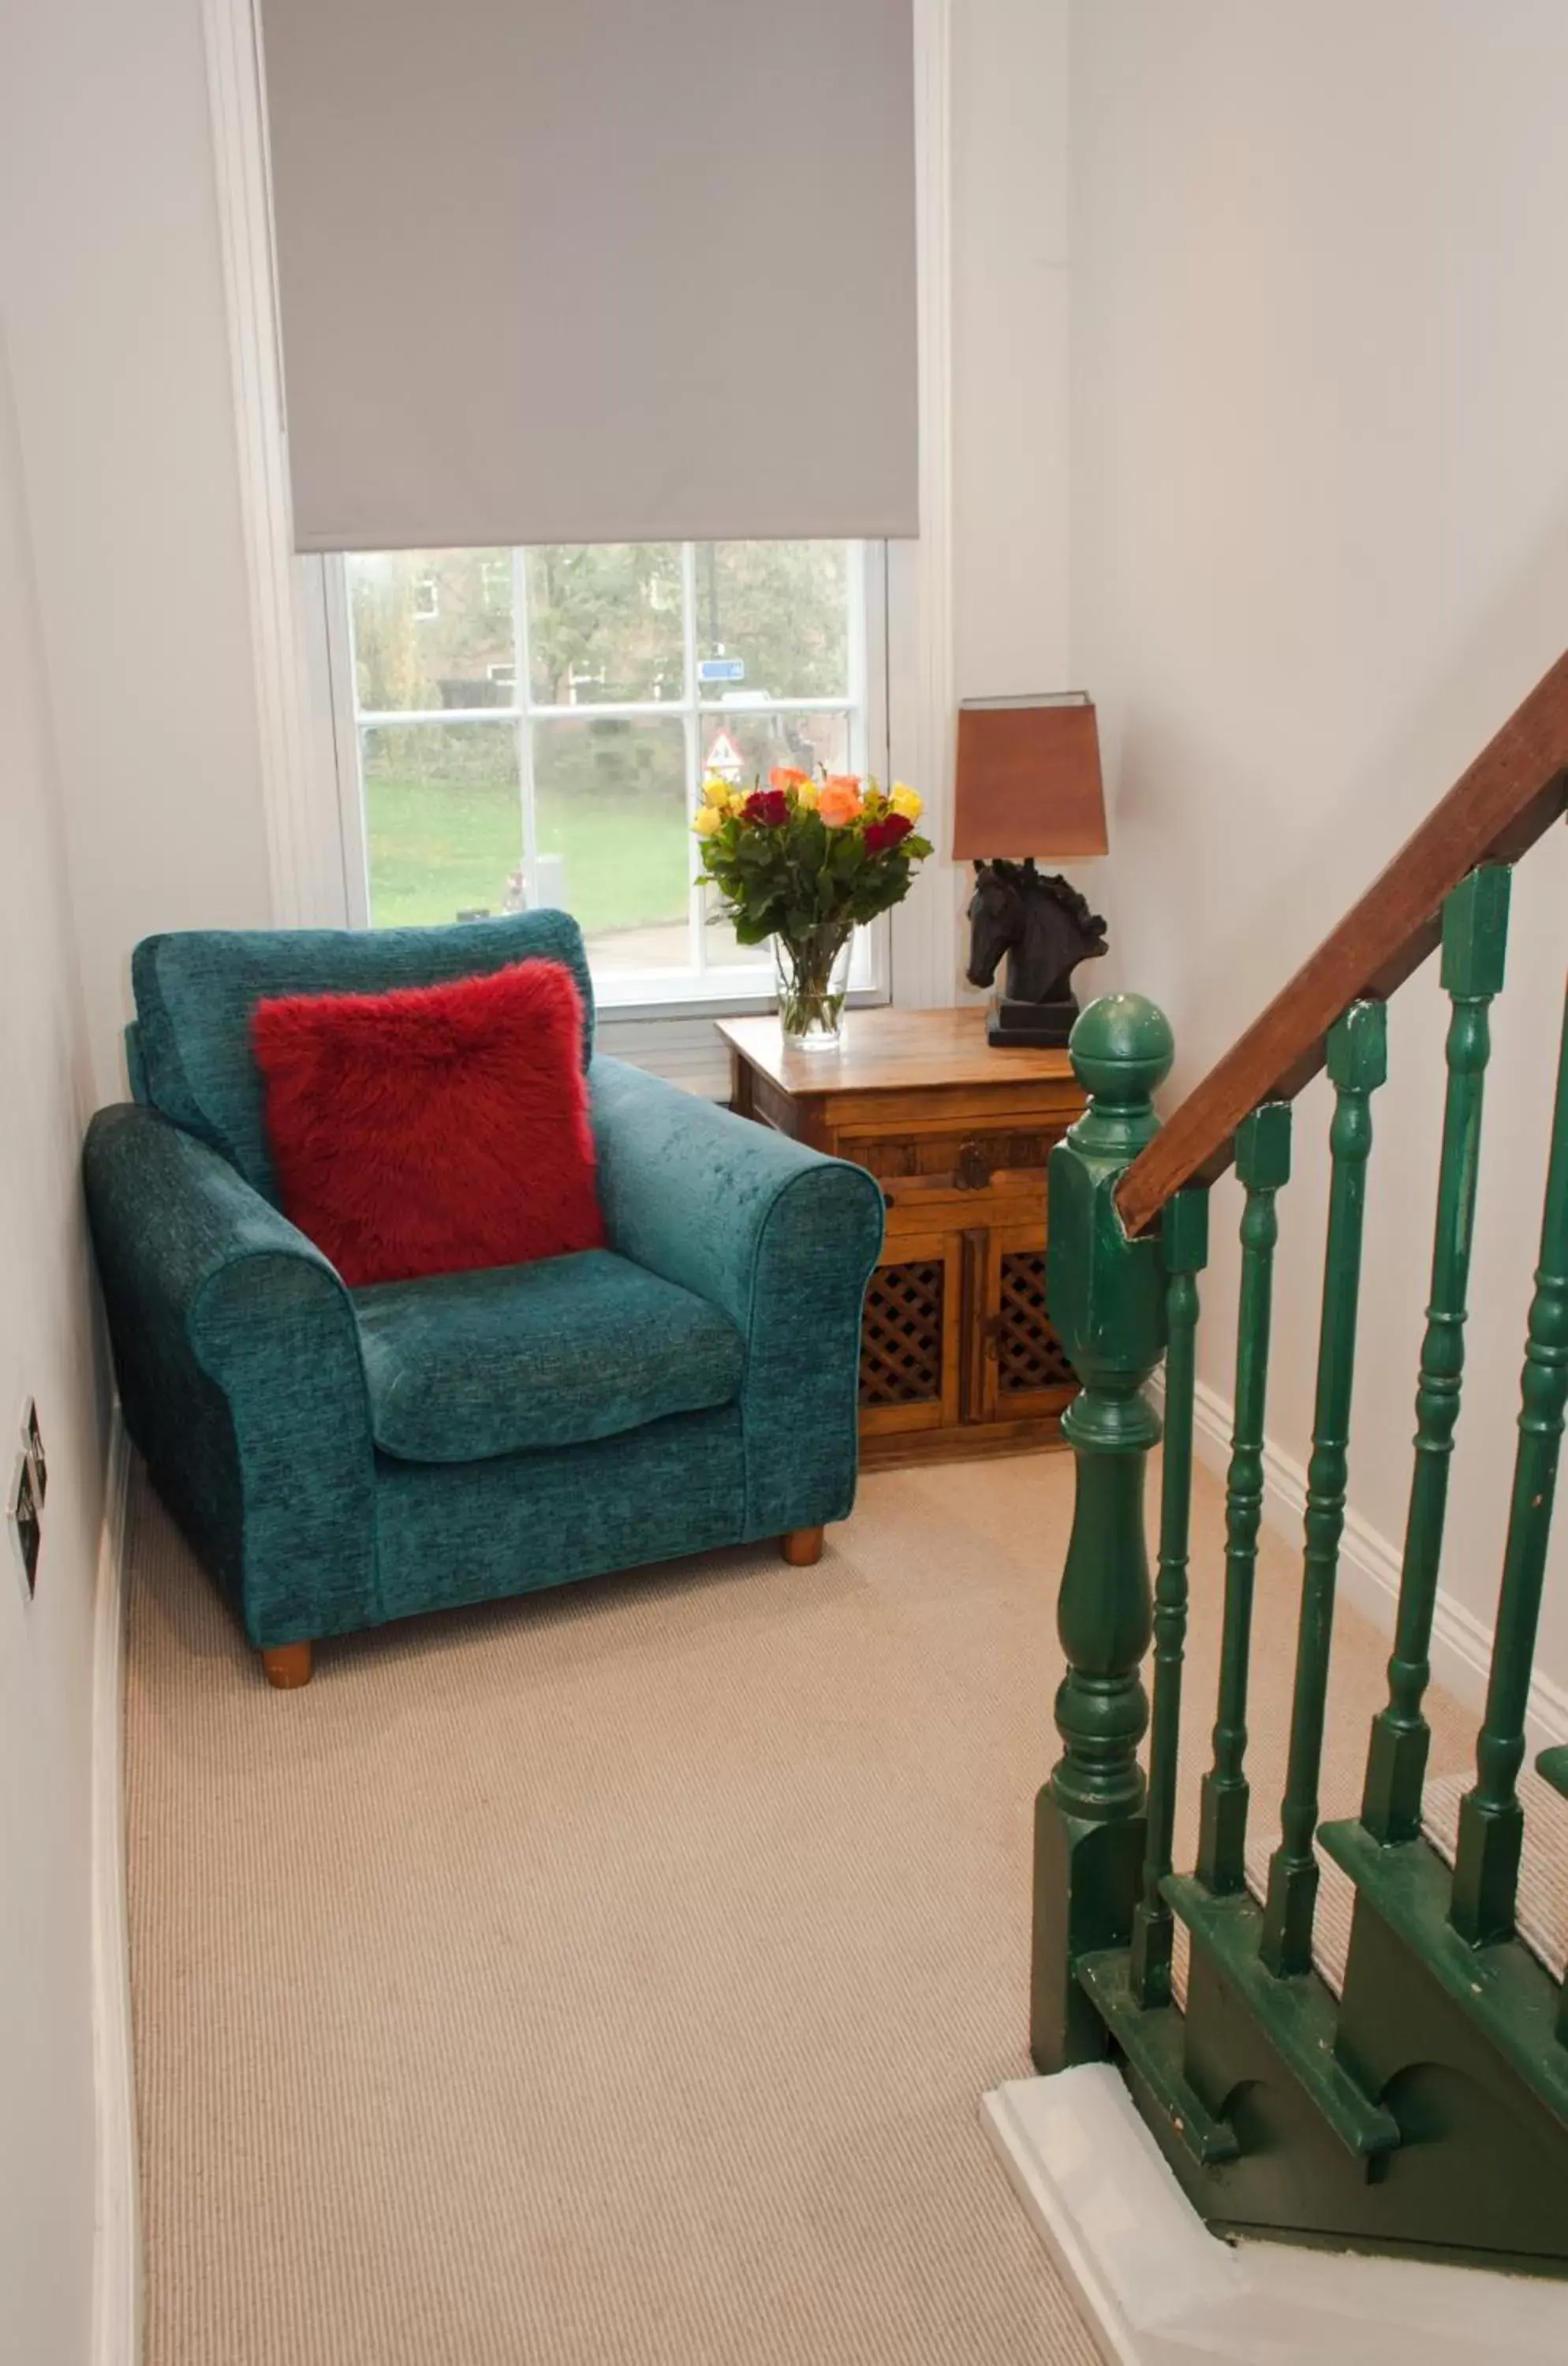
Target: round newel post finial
x=1120 y=1048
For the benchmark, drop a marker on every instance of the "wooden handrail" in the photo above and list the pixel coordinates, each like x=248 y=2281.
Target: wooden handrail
x=1512 y=794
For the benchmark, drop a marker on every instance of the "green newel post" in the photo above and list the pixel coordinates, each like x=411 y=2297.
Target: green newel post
x=1107 y=1299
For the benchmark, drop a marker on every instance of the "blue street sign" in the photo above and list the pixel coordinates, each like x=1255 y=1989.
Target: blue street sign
x=721 y=669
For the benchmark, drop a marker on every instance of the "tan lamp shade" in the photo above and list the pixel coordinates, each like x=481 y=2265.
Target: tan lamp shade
x=1027 y=779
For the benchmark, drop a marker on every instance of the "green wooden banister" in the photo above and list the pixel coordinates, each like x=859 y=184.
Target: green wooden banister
x=1357 y=1064
x=1107 y=1302
x=1263 y=1167
x=1475 y=937
x=1492 y=1824
x=1184 y=1252
x=1421 y=2107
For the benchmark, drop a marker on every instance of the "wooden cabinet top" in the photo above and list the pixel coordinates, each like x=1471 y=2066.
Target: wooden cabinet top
x=894 y=1051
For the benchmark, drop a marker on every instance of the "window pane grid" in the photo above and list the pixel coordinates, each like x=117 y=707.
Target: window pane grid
x=591 y=777
x=520 y=660
x=696 y=911
x=625 y=707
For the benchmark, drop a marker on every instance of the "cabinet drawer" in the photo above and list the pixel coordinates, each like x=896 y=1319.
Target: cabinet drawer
x=952 y=1162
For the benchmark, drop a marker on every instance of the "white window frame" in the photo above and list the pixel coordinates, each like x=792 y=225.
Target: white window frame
x=699 y=989
x=298 y=729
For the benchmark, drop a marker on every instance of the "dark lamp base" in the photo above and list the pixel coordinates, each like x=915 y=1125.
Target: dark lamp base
x=1037 y=1024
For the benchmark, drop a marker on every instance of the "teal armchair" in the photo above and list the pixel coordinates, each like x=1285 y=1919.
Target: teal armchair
x=339 y=1457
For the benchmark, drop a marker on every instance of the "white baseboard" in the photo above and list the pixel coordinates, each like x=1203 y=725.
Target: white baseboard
x=1156 y=2288
x=1369 y=1566
x=116 y=2264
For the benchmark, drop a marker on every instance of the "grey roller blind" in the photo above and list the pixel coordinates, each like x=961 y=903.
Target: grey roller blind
x=594 y=270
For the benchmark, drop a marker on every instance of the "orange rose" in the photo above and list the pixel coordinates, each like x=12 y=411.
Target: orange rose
x=784 y=776
x=839 y=801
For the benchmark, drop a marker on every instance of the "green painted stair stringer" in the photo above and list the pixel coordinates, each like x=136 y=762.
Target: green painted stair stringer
x=1150 y=2038
x=1504 y=1990
x=1298 y=2014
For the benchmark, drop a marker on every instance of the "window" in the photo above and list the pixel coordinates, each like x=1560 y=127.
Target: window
x=533 y=726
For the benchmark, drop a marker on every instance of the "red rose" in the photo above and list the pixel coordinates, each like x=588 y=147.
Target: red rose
x=770 y=807
x=883 y=834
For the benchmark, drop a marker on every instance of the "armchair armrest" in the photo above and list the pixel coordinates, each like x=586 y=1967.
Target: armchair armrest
x=237 y=1355
x=779 y=1237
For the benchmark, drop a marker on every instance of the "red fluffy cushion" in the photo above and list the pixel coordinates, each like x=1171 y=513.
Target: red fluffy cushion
x=437 y=1128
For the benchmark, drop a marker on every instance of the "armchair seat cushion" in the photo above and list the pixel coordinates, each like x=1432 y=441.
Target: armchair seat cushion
x=462 y=1367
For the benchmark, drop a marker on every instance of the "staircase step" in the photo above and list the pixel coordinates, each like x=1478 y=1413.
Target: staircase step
x=1543 y=1876
x=1298 y=2014
x=1504 y=1989
x=1151 y=2043
x=1543 y=1909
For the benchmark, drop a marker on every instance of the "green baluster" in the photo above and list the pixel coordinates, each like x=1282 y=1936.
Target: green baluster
x=1357 y=1062
x=1184 y=1252
x=1107 y=1303
x=1263 y=1167
x=1475 y=937
x=1491 y=1821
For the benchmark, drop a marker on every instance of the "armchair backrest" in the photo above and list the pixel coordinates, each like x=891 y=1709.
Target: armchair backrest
x=189 y=1050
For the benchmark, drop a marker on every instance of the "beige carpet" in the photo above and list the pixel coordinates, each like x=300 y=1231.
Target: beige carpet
x=613 y=1977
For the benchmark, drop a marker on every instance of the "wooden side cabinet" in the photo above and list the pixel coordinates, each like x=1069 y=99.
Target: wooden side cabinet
x=957 y=1353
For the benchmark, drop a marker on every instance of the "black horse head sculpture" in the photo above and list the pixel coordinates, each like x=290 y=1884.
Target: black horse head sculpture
x=1042 y=924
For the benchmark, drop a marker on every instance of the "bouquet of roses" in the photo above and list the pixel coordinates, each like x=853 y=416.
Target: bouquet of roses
x=807 y=863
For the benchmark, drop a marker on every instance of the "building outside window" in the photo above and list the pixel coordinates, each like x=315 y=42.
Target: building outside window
x=533 y=728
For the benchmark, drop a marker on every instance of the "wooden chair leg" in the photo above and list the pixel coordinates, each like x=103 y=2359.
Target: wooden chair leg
x=287 y=1666
x=802 y=1547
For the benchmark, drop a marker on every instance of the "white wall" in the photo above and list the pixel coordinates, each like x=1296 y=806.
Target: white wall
x=1320 y=533
x=46 y=1350
x=120 y=360
x=128 y=753
x=1010 y=384
x=1010 y=348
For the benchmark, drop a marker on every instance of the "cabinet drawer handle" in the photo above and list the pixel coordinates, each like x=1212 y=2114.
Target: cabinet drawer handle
x=972 y=1167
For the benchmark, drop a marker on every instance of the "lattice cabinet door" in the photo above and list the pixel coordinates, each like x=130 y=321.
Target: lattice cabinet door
x=1023 y=1369
x=911 y=1334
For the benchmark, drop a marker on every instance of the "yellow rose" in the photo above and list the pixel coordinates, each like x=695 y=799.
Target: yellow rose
x=709 y=818
x=906 y=801
x=804 y=795
x=715 y=789
x=737 y=800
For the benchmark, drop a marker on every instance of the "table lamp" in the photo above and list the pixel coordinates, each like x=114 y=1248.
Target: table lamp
x=1028 y=782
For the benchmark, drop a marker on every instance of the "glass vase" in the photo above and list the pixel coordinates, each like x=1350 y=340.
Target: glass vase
x=813 y=973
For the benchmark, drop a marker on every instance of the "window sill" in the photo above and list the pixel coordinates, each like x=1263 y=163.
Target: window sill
x=680 y=1042
x=706 y=1003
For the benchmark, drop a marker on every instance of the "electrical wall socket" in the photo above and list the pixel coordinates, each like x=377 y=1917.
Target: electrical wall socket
x=23 y=1520
x=32 y=1447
